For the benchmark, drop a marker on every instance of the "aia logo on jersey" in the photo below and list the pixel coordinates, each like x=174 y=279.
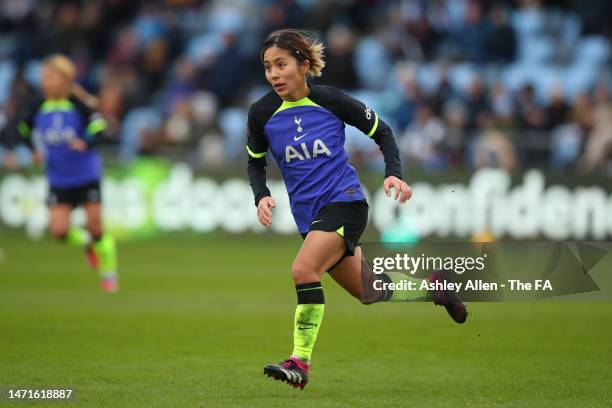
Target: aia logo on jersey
x=305 y=152
x=368 y=112
x=57 y=133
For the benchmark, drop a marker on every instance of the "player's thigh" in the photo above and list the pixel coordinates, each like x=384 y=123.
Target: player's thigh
x=348 y=273
x=319 y=252
x=93 y=210
x=59 y=222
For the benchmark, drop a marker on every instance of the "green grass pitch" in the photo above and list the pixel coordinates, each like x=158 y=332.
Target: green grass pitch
x=198 y=317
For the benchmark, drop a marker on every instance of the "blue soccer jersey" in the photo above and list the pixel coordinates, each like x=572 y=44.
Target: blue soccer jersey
x=306 y=139
x=52 y=124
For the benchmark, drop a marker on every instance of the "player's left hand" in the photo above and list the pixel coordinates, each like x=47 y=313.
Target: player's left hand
x=402 y=190
x=78 y=144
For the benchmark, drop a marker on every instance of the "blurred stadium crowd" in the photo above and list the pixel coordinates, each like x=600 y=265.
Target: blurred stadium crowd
x=463 y=83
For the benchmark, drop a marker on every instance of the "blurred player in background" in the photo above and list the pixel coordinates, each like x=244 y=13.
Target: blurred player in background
x=61 y=128
x=303 y=127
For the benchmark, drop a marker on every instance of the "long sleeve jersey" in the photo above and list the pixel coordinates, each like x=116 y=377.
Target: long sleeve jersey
x=306 y=139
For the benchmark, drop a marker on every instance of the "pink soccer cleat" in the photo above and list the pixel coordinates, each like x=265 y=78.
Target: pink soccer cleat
x=109 y=284
x=292 y=371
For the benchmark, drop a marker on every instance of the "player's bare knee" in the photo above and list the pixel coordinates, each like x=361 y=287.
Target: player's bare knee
x=303 y=273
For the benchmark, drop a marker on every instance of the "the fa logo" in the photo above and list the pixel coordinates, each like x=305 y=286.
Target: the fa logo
x=368 y=113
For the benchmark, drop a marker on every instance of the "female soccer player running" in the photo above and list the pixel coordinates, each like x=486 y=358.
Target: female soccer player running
x=64 y=129
x=303 y=127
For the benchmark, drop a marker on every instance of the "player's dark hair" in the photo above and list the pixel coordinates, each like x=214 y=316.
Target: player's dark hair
x=300 y=45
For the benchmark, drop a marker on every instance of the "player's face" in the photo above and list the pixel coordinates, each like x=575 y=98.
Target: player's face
x=285 y=73
x=53 y=83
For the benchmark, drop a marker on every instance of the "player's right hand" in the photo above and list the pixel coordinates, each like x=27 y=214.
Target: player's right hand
x=264 y=211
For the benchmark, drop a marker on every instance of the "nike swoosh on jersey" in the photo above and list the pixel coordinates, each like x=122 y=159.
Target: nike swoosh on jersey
x=314 y=222
x=298 y=138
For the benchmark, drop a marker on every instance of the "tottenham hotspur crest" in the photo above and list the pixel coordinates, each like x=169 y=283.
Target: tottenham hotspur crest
x=299 y=134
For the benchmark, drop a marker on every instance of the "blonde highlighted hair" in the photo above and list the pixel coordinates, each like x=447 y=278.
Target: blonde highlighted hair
x=300 y=45
x=61 y=64
x=65 y=67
